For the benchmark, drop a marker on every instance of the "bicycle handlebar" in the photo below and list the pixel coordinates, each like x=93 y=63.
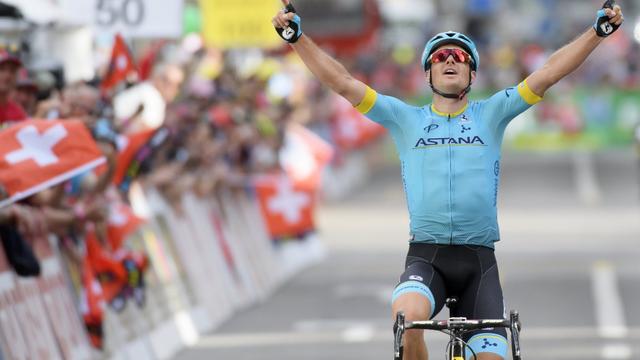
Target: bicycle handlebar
x=458 y=325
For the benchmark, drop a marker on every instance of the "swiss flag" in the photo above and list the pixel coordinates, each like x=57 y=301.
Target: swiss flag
x=287 y=208
x=122 y=223
x=121 y=65
x=128 y=146
x=92 y=304
x=304 y=156
x=106 y=266
x=350 y=129
x=36 y=154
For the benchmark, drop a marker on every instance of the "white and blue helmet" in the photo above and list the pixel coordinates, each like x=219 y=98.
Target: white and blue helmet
x=455 y=38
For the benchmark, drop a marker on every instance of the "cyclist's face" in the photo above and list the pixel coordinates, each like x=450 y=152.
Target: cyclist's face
x=450 y=75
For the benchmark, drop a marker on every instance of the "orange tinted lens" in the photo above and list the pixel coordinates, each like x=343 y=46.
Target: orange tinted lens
x=443 y=55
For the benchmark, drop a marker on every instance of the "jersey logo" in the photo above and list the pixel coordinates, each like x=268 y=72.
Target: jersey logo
x=288 y=33
x=464 y=120
x=486 y=343
x=431 y=127
x=606 y=28
x=461 y=141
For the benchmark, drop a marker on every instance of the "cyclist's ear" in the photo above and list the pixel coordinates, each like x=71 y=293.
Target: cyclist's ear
x=473 y=76
x=427 y=75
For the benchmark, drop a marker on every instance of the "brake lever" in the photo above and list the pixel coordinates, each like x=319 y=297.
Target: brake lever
x=399 y=333
x=515 y=334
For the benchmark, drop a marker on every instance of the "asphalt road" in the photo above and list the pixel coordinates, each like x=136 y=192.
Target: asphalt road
x=568 y=260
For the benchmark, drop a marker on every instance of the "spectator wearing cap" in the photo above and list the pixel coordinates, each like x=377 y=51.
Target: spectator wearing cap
x=26 y=93
x=10 y=111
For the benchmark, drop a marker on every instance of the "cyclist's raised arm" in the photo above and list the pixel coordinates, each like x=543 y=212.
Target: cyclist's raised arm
x=329 y=71
x=572 y=55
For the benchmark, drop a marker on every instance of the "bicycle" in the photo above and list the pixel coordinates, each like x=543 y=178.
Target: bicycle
x=455 y=327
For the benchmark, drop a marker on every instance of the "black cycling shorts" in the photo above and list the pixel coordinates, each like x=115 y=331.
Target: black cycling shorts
x=467 y=272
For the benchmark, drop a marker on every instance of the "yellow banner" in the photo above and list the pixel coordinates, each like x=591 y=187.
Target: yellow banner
x=232 y=24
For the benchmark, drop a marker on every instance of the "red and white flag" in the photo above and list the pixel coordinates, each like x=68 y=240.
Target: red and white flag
x=287 y=208
x=128 y=146
x=350 y=129
x=36 y=154
x=121 y=65
x=122 y=223
x=304 y=156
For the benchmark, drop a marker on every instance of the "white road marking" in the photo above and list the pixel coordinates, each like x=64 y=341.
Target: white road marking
x=375 y=333
x=616 y=351
x=358 y=334
x=381 y=292
x=609 y=310
x=608 y=302
x=585 y=177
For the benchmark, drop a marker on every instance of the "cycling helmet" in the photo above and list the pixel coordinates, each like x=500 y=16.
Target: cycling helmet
x=455 y=38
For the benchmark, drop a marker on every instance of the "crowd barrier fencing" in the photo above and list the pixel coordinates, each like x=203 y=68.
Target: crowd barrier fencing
x=209 y=261
x=39 y=318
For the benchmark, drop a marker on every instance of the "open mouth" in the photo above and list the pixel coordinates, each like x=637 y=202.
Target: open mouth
x=450 y=72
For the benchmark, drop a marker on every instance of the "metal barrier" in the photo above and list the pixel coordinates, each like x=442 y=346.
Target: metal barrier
x=213 y=259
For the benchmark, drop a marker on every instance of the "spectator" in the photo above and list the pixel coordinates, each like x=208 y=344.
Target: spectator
x=26 y=93
x=144 y=106
x=10 y=111
x=80 y=101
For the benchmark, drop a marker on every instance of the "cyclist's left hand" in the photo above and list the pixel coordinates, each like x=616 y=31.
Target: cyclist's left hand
x=611 y=11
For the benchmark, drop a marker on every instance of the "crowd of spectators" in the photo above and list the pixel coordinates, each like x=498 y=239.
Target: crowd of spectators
x=224 y=119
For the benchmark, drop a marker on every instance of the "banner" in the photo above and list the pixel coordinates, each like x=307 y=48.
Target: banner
x=131 y=18
x=588 y=118
x=36 y=154
x=38 y=319
x=240 y=24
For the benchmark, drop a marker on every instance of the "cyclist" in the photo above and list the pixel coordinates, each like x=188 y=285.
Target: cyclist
x=450 y=159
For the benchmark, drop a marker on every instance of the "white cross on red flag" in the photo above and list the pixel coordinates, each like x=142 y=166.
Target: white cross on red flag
x=36 y=154
x=122 y=223
x=304 y=156
x=121 y=65
x=350 y=129
x=128 y=146
x=287 y=208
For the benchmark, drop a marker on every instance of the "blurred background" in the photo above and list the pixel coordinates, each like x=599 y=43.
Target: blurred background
x=236 y=208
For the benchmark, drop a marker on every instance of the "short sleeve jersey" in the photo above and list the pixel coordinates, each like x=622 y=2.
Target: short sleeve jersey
x=450 y=162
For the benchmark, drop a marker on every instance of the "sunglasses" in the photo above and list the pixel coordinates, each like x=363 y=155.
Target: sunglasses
x=443 y=54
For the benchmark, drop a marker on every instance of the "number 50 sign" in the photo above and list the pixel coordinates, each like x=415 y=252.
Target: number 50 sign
x=140 y=18
x=131 y=18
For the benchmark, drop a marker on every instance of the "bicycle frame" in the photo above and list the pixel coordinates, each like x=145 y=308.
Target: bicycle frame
x=457 y=327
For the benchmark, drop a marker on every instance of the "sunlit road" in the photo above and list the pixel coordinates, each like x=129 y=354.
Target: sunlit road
x=569 y=261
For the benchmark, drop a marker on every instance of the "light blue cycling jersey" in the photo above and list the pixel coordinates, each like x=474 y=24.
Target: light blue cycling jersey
x=450 y=162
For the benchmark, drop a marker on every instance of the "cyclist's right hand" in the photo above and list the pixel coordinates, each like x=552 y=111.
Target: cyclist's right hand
x=608 y=19
x=287 y=23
